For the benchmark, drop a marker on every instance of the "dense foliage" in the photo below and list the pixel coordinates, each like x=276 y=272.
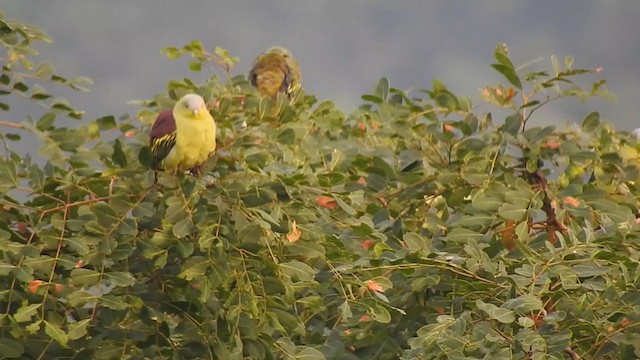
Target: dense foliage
x=414 y=227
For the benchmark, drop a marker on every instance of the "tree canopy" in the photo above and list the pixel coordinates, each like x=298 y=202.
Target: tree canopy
x=414 y=227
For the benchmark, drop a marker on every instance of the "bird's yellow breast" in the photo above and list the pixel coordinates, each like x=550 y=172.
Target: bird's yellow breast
x=195 y=141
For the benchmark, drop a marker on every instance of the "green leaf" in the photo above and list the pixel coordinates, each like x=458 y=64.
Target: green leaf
x=416 y=242
x=526 y=322
x=307 y=249
x=487 y=201
x=206 y=240
x=512 y=212
x=591 y=122
x=172 y=52
x=183 y=227
x=114 y=302
x=194 y=46
x=372 y=98
x=106 y=123
x=308 y=353
x=5 y=268
x=298 y=270
x=529 y=104
x=44 y=71
x=78 y=245
x=462 y=235
x=120 y=278
x=555 y=64
x=346 y=207
x=475 y=220
x=510 y=74
x=8 y=172
x=287 y=137
x=85 y=277
x=23 y=273
x=504 y=316
x=78 y=330
x=46 y=121
x=523 y=304
x=118 y=157
x=512 y=124
x=382 y=89
x=145 y=156
x=536 y=135
x=55 y=333
x=26 y=313
x=13 y=137
x=501 y=53
x=446 y=100
x=522 y=231
x=610 y=210
x=380 y=314
x=250 y=233
x=345 y=310
x=19 y=86
x=11 y=349
x=589 y=270
x=568 y=62
x=195 y=66
x=104 y=214
x=196 y=268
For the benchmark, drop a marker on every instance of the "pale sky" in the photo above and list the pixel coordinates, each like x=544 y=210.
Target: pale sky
x=343 y=47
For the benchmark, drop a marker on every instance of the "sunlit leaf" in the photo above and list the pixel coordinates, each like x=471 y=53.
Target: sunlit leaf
x=55 y=333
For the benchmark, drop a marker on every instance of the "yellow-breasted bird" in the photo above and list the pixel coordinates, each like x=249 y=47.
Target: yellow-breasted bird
x=274 y=71
x=183 y=138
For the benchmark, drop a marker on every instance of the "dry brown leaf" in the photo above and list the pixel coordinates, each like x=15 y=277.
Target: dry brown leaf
x=367 y=244
x=374 y=286
x=326 y=202
x=33 y=285
x=449 y=127
x=570 y=200
x=295 y=233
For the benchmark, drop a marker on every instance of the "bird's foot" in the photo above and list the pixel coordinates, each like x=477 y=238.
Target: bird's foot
x=196 y=170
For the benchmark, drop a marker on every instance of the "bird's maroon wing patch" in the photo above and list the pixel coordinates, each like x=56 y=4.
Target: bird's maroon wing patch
x=164 y=124
x=162 y=137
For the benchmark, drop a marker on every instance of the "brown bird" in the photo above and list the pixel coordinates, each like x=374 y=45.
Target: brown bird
x=275 y=71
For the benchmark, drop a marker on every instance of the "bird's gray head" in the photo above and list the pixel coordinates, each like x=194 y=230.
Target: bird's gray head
x=279 y=50
x=193 y=102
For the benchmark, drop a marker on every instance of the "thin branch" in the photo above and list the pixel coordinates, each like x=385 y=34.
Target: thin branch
x=599 y=343
x=12 y=125
x=441 y=264
x=65 y=216
x=542 y=103
x=435 y=110
x=553 y=224
x=85 y=202
x=572 y=354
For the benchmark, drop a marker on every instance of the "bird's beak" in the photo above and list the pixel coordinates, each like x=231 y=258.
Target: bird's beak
x=195 y=112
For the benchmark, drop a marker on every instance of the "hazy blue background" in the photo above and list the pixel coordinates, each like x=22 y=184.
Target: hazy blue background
x=344 y=47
